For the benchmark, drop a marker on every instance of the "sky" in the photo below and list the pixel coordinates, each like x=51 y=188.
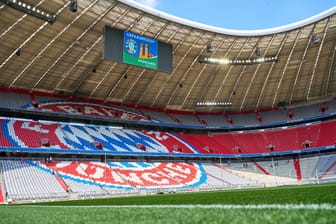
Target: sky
x=242 y=14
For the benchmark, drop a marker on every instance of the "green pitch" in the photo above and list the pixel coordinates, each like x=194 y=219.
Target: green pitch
x=297 y=204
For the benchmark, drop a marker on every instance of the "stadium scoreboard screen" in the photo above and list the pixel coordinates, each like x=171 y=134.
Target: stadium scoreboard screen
x=135 y=49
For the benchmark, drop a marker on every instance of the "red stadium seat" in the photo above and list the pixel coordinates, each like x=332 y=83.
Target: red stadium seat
x=141 y=146
x=98 y=145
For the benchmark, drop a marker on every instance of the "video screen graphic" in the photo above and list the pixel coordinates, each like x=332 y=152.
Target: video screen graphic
x=140 y=50
x=135 y=49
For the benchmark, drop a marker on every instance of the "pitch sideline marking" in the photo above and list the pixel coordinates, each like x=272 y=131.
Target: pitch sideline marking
x=200 y=206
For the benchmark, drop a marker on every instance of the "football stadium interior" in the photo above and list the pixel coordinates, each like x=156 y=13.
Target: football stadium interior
x=108 y=98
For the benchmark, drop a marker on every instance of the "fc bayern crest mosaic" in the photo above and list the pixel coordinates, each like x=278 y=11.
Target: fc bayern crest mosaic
x=129 y=175
x=65 y=136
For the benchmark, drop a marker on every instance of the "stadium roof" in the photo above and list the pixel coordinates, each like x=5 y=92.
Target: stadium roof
x=65 y=58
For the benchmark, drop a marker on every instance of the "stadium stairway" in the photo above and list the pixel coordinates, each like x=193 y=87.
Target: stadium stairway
x=328 y=171
x=261 y=168
x=2 y=198
x=62 y=183
x=297 y=167
x=59 y=179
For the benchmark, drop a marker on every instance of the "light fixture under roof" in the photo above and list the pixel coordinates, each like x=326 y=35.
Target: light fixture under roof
x=30 y=10
x=224 y=61
x=213 y=104
x=210 y=49
x=315 y=39
x=257 y=51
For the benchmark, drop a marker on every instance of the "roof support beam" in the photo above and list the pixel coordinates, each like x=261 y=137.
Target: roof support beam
x=172 y=95
x=51 y=42
x=59 y=84
x=17 y=21
x=317 y=58
x=331 y=70
x=215 y=98
x=269 y=74
x=201 y=96
x=254 y=75
x=284 y=69
x=230 y=69
x=84 y=77
x=175 y=68
x=299 y=71
x=198 y=75
x=26 y=41
x=66 y=28
x=71 y=45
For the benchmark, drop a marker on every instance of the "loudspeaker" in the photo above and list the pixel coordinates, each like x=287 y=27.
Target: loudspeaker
x=73 y=5
x=281 y=104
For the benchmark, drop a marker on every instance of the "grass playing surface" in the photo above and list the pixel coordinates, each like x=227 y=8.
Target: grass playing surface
x=297 y=204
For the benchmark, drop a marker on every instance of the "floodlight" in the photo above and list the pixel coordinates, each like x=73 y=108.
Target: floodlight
x=30 y=10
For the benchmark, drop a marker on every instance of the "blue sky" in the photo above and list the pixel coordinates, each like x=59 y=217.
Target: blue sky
x=242 y=14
